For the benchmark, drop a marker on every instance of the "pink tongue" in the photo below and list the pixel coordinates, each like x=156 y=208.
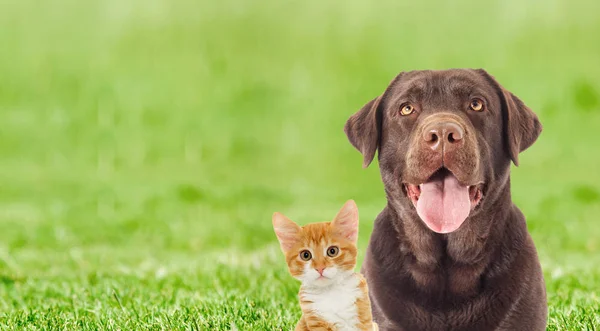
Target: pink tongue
x=444 y=204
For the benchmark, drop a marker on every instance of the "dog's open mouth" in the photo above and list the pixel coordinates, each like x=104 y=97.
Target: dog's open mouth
x=442 y=202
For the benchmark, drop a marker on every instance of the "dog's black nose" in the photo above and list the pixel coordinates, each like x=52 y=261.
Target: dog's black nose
x=442 y=133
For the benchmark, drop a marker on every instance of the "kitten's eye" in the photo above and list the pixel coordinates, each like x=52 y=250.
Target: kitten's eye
x=476 y=104
x=406 y=109
x=305 y=255
x=333 y=251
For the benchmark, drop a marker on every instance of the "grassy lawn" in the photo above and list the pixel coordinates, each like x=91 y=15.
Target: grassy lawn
x=145 y=144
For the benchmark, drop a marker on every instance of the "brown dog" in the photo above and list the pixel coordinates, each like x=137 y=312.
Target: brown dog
x=450 y=251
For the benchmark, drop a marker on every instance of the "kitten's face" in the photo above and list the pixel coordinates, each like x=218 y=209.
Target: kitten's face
x=319 y=253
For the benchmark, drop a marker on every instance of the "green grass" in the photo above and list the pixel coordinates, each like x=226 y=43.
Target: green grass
x=145 y=145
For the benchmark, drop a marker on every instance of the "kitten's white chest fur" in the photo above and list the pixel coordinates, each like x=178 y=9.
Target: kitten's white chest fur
x=336 y=303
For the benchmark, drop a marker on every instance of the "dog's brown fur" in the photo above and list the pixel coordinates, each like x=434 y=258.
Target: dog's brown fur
x=484 y=276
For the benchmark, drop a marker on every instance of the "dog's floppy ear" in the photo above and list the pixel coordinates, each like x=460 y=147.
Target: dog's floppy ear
x=522 y=126
x=363 y=130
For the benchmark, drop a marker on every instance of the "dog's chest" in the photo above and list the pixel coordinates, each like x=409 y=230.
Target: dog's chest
x=337 y=304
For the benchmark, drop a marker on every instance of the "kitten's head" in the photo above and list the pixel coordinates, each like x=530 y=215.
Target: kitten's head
x=320 y=253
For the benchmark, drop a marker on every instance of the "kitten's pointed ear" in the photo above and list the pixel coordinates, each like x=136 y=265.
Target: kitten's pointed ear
x=521 y=125
x=286 y=230
x=346 y=221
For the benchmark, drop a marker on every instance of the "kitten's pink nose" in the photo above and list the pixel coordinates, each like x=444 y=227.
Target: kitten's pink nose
x=320 y=270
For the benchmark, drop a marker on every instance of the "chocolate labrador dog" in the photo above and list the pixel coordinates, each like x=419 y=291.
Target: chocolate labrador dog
x=450 y=251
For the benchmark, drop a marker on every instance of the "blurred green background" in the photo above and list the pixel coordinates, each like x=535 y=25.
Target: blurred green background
x=146 y=144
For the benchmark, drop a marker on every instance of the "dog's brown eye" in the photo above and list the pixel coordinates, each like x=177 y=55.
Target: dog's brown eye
x=333 y=251
x=406 y=109
x=305 y=255
x=476 y=105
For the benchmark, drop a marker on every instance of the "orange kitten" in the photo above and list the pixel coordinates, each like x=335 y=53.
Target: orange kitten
x=323 y=256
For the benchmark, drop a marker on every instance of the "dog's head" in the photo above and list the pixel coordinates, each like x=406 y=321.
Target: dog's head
x=445 y=141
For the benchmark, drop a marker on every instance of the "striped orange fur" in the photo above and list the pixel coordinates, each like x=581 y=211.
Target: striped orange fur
x=323 y=257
